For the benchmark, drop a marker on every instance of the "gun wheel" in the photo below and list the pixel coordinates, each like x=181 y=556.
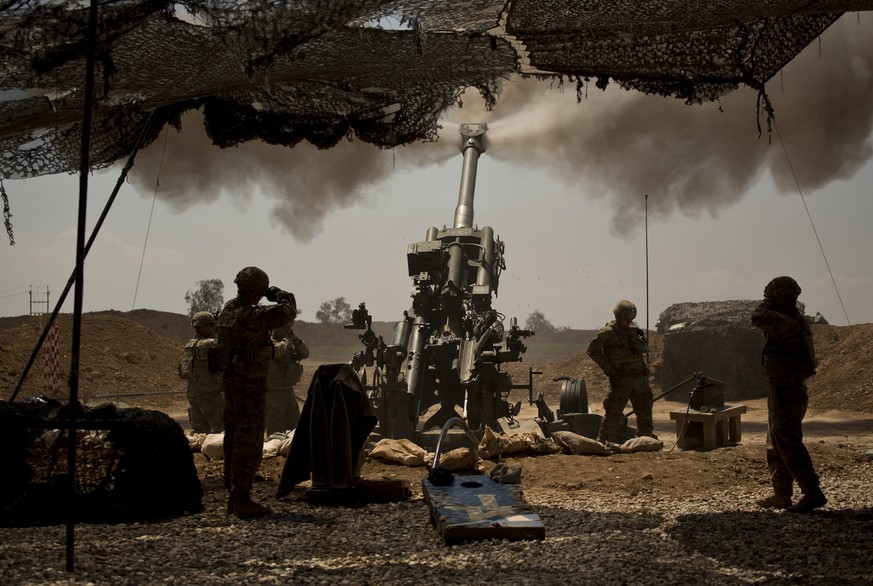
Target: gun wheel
x=574 y=396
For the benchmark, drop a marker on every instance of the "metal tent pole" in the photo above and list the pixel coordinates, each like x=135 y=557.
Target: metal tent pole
x=647 y=274
x=84 y=168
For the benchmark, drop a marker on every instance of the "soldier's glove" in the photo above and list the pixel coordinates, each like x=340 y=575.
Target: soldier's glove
x=272 y=293
x=276 y=295
x=286 y=297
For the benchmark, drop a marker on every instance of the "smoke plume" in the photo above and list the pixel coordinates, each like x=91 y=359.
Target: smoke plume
x=699 y=159
x=305 y=184
x=615 y=144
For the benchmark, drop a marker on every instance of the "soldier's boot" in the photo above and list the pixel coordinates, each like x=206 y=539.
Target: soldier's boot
x=814 y=499
x=609 y=434
x=243 y=507
x=774 y=501
x=648 y=433
x=645 y=428
x=612 y=438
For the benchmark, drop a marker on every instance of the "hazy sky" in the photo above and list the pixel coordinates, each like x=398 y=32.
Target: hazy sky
x=562 y=183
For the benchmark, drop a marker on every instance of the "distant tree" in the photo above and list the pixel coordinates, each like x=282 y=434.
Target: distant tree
x=538 y=322
x=209 y=296
x=336 y=311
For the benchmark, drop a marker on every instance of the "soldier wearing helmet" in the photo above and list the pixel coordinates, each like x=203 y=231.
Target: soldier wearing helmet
x=625 y=309
x=246 y=349
x=252 y=279
x=788 y=359
x=205 y=396
x=282 y=411
x=619 y=349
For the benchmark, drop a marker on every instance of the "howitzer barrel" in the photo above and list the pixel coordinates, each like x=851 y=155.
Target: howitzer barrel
x=472 y=147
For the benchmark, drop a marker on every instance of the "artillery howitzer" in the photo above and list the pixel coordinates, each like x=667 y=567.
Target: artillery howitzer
x=449 y=346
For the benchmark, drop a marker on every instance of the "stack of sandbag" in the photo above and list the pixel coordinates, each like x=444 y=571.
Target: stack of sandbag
x=212 y=445
x=577 y=444
x=407 y=453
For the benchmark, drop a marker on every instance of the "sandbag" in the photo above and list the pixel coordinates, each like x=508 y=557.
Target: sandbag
x=271 y=446
x=195 y=441
x=496 y=444
x=457 y=459
x=285 y=446
x=213 y=446
x=506 y=474
x=642 y=444
x=401 y=451
x=579 y=444
x=537 y=444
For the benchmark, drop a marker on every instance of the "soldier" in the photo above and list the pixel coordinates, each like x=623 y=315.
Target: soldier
x=246 y=349
x=788 y=360
x=205 y=399
x=282 y=410
x=619 y=350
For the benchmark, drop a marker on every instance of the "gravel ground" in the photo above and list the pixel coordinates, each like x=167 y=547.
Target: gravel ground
x=592 y=537
x=670 y=517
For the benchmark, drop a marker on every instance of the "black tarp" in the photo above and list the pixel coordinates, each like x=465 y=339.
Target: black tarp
x=328 y=444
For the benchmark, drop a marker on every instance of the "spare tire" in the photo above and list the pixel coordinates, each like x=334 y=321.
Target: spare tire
x=574 y=396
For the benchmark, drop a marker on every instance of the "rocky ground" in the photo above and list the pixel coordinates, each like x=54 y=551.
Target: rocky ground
x=668 y=517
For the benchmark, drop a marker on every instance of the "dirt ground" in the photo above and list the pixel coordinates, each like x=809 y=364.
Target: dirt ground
x=834 y=439
x=121 y=357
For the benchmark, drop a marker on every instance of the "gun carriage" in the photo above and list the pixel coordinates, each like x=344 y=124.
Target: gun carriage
x=449 y=347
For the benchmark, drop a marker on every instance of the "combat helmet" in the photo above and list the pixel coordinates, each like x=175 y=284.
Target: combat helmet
x=781 y=287
x=252 y=279
x=625 y=308
x=202 y=318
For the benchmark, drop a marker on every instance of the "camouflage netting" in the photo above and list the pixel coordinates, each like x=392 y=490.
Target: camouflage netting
x=706 y=315
x=131 y=465
x=382 y=71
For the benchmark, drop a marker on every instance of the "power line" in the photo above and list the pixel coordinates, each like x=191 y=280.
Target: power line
x=20 y=287
x=811 y=223
x=151 y=213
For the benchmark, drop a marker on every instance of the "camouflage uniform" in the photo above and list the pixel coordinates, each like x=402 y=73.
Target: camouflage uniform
x=205 y=397
x=282 y=410
x=788 y=359
x=620 y=353
x=244 y=341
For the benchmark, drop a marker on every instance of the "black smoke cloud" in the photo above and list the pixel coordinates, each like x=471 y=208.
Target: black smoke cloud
x=305 y=184
x=616 y=144
x=699 y=159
